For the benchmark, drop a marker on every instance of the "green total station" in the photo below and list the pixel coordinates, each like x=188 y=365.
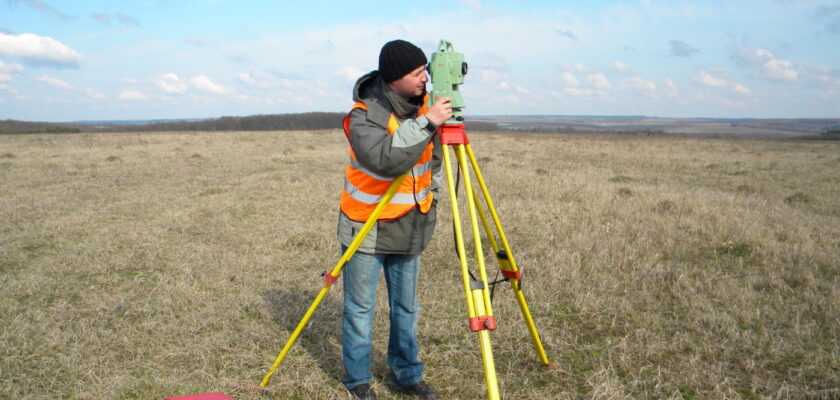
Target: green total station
x=447 y=69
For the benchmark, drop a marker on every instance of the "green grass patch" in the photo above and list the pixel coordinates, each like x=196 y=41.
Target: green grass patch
x=621 y=179
x=735 y=249
x=7 y=155
x=625 y=192
x=686 y=394
x=113 y=158
x=665 y=206
x=799 y=198
x=196 y=155
x=7 y=266
x=211 y=191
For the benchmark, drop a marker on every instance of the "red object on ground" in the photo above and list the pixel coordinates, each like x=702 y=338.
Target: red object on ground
x=203 y=396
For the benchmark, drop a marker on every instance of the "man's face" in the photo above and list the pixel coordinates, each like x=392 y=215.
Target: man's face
x=412 y=84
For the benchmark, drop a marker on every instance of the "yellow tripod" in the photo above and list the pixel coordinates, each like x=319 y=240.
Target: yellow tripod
x=477 y=291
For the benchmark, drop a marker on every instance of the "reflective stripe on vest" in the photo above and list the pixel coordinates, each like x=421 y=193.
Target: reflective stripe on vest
x=363 y=188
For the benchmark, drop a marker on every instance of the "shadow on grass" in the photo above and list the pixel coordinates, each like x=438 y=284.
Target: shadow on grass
x=321 y=337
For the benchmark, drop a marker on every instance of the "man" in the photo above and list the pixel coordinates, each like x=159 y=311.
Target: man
x=391 y=132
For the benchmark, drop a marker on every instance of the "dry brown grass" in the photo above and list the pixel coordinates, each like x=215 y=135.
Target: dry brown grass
x=150 y=265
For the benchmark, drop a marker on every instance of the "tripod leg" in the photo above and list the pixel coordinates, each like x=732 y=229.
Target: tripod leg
x=471 y=206
x=331 y=277
x=473 y=291
x=490 y=237
x=508 y=263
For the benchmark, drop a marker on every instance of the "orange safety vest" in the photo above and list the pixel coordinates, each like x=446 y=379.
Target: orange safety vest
x=364 y=188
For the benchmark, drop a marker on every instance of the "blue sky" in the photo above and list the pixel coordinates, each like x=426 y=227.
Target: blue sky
x=145 y=59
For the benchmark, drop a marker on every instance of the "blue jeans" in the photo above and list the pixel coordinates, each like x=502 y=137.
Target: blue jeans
x=360 y=277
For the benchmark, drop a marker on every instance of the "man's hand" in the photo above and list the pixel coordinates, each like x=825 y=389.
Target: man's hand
x=440 y=111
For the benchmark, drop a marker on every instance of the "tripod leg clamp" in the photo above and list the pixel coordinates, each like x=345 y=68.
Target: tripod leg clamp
x=512 y=274
x=329 y=279
x=482 y=322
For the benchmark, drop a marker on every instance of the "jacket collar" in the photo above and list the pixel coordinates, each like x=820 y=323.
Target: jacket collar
x=372 y=87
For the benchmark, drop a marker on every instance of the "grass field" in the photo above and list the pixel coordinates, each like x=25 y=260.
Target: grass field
x=153 y=265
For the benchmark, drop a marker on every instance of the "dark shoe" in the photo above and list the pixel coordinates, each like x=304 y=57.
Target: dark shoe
x=363 y=392
x=420 y=390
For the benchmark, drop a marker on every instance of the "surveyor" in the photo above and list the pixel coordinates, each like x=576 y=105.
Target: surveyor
x=390 y=131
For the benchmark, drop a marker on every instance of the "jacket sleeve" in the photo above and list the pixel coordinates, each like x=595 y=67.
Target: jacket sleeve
x=437 y=161
x=383 y=153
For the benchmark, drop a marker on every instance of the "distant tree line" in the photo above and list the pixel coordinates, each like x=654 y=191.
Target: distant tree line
x=12 y=126
x=262 y=122
x=804 y=125
x=572 y=129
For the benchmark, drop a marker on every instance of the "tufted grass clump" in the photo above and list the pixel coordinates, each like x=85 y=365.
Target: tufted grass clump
x=799 y=198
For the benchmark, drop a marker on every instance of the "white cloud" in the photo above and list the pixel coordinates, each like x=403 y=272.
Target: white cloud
x=487 y=75
x=349 y=73
x=741 y=89
x=706 y=79
x=569 y=80
x=204 y=83
x=512 y=99
x=599 y=81
x=780 y=69
x=573 y=67
x=619 y=66
x=95 y=94
x=171 y=83
x=38 y=49
x=641 y=84
x=53 y=81
x=578 y=91
x=644 y=86
x=502 y=85
x=128 y=94
x=773 y=67
x=248 y=79
x=473 y=4
x=489 y=60
x=588 y=92
x=522 y=90
x=670 y=88
x=10 y=68
x=262 y=80
x=8 y=88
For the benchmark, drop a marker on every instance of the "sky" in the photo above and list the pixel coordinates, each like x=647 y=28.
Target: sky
x=160 y=59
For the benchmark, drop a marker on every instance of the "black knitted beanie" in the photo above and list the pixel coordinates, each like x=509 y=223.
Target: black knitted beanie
x=398 y=58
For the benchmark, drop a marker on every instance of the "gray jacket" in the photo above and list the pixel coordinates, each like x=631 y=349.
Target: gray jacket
x=391 y=156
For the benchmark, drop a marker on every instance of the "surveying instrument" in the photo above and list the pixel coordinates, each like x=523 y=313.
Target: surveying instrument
x=447 y=69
